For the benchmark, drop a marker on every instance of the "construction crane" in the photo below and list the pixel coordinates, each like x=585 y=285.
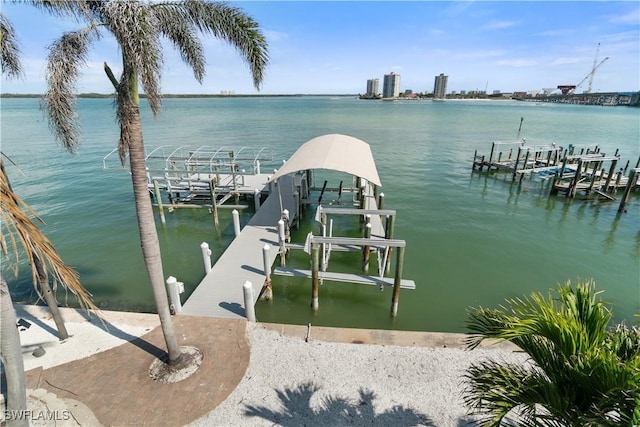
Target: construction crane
x=566 y=89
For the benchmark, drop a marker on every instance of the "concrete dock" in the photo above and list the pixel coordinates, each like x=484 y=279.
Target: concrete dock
x=220 y=293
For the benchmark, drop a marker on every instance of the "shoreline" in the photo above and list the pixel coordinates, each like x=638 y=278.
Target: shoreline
x=414 y=377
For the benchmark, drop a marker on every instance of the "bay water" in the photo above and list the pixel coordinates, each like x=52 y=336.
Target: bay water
x=473 y=239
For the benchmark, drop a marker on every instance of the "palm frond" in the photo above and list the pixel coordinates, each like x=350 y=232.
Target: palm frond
x=9 y=49
x=66 y=7
x=584 y=373
x=17 y=223
x=66 y=56
x=233 y=25
x=135 y=29
x=183 y=36
x=495 y=391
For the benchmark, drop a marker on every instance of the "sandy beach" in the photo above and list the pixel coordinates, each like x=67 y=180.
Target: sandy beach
x=295 y=375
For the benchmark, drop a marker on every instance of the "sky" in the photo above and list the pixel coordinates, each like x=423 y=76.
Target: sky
x=327 y=47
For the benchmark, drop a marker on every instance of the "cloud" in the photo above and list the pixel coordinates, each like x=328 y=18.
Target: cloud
x=275 y=36
x=478 y=54
x=555 y=33
x=498 y=25
x=565 y=60
x=632 y=18
x=518 y=63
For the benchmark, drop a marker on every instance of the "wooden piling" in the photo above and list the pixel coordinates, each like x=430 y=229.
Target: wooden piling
x=156 y=188
x=315 y=279
x=214 y=204
x=397 y=281
x=515 y=168
x=574 y=182
x=633 y=176
x=388 y=234
x=366 y=250
x=610 y=175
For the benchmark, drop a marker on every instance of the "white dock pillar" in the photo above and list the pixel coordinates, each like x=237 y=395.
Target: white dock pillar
x=267 y=294
x=175 y=289
x=257 y=167
x=266 y=261
x=281 y=241
x=206 y=257
x=248 y=301
x=256 y=199
x=236 y=222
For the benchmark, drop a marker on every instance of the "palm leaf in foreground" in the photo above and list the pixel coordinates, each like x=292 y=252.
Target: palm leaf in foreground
x=20 y=228
x=582 y=372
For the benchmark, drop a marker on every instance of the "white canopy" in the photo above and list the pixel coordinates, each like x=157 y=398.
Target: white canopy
x=334 y=152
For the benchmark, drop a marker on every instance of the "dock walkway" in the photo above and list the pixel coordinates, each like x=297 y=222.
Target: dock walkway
x=220 y=293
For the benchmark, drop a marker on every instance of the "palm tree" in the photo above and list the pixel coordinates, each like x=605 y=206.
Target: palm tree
x=18 y=227
x=583 y=373
x=138 y=26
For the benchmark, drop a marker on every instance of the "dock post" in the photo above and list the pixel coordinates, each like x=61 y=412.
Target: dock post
x=515 y=168
x=249 y=309
x=627 y=191
x=214 y=204
x=388 y=234
x=281 y=242
x=236 y=221
x=493 y=146
x=256 y=199
x=380 y=200
x=573 y=186
x=206 y=257
x=315 y=279
x=175 y=289
x=397 y=281
x=475 y=156
x=266 y=262
x=296 y=200
x=156 y=187
x=366 y=250
x=257 y=169
x=618 y=179
x=607 y=184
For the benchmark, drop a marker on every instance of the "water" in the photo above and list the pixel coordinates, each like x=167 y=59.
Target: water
x=472 y=239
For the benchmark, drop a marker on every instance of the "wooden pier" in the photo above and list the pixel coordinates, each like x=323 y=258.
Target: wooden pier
x=572 y=170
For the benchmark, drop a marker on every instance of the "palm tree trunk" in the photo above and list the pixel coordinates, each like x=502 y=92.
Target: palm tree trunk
x=49 y=298
x=147 y=227
x=12 y=360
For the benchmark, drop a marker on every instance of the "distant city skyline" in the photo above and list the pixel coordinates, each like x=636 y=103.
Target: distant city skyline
x=334 y=47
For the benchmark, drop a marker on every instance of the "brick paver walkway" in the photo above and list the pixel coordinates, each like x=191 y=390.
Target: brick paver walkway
x=116 y=386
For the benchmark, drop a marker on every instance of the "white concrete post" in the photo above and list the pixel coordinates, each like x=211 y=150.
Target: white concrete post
x=248 y=301
x=206 y=257
x=175 y=289
x=281 y=242
x=281 y=232
x=266 y=258
x=257 y=167
x=256 y=199
x=236 y=222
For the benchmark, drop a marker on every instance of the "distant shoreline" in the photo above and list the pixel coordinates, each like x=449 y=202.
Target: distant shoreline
x=191 y=95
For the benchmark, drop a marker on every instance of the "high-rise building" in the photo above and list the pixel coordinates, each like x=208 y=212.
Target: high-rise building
x=391 y=85
x=373 y=87
x=440 y=86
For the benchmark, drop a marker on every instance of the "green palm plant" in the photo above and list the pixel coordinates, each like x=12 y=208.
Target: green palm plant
x=138 y=27
x=582 y=372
